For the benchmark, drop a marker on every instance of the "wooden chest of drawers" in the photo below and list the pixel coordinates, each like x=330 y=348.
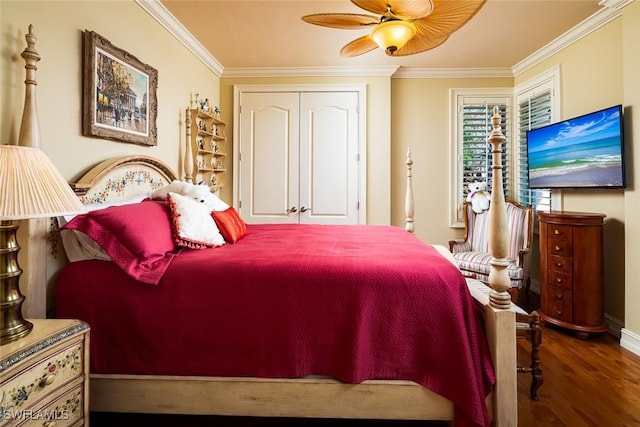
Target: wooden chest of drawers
x=571 y=271
x=44 y=377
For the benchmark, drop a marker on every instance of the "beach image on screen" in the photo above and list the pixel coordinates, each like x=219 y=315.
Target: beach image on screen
x=581 y=152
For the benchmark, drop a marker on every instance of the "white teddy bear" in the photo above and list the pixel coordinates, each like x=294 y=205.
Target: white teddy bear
x=200 y=193
x=478 y=196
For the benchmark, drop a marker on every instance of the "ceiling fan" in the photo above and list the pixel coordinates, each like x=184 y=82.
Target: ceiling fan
x=401 y=27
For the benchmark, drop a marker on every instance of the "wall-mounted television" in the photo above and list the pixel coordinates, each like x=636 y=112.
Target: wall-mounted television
x=582 y=152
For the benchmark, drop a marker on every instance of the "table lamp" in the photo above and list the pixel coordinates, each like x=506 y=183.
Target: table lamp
x=30 y=187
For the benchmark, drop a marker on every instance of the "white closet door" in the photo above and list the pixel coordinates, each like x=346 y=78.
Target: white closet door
x=269 y=162
x=329 y=157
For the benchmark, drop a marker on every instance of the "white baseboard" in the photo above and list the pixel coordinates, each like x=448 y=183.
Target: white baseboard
x=630 y=341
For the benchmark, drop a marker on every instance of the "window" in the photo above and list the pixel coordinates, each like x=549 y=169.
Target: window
x=537 y=105
x=471 y=152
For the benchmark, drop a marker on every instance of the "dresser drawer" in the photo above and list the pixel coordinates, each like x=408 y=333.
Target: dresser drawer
x=61 y=411
x=559 y=303
x=559 y=233
x=44 y=377
x=560 y=247
x=560 y=280
x=560 y=264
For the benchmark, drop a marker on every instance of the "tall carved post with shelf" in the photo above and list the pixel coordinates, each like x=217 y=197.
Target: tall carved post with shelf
x=207 y=142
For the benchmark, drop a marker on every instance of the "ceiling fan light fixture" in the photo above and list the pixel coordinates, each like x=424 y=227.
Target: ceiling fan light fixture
x=393 y=35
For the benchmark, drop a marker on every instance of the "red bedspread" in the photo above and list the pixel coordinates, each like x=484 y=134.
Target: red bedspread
x=349 y=302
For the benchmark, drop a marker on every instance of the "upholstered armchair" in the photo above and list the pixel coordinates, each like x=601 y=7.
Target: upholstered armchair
x=472 y=252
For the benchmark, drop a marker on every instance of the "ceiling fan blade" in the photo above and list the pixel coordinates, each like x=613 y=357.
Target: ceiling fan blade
x=447 y=17
x=359 y=46
x=419 y=44
x=405 y=9
x=347 y=21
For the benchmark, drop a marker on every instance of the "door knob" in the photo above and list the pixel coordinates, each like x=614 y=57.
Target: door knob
x=303 y=209
x=292 y=210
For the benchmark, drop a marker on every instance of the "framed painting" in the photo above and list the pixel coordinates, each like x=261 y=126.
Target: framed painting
x=119 y=94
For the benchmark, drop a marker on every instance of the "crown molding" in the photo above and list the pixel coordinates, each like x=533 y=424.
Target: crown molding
x=452 y=73
x=382 y=71
x=171 y=24
x=611 y=10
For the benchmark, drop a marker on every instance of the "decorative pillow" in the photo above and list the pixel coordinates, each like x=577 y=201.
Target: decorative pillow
x=137 y=237
x=77 y=245
x=193 y=226
x=231 y=226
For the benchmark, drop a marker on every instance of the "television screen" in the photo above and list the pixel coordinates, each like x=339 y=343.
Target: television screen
x=583 y=152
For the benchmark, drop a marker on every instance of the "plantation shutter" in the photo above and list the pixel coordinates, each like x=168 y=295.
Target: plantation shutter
x=533 y=112
x=476 y=151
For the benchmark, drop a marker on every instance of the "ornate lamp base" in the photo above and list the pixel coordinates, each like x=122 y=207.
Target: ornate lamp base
x=12 y=324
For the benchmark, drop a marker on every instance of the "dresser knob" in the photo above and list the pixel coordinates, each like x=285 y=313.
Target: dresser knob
x=559 y=296
x=558 y=280
x=48 y=380
x=558 y=312
x=557 y=248
x=556 y=232
x=558 y=264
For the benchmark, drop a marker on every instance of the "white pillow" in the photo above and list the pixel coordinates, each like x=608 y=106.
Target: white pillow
x=193 y=224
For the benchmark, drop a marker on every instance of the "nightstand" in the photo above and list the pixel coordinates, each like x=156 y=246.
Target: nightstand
x=44 y=377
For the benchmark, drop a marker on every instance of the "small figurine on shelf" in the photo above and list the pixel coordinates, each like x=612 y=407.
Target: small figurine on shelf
x=216 y=111
x=201 y=143
x=214 y=180
x=205 y=104
x=196 y=101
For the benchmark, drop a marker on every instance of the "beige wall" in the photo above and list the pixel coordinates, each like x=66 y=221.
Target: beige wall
x=378 y=110
x=591 y=79
x=420 y=121
x=631 y=80
x=58 y=26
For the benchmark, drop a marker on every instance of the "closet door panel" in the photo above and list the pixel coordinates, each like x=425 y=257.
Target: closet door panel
x=329 y=157
x=269 y=157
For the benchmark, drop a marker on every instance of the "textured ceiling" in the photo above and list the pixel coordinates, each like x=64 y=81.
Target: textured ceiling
x=257 y=34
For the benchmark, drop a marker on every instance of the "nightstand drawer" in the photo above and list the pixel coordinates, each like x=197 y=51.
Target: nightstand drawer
x=44 y=377
x=62 y=411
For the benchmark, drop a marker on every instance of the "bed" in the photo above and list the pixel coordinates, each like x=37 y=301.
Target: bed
x=327 y=322
x=225 y=346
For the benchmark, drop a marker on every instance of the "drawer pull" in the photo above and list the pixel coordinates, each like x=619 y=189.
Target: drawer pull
x=559 y=296
x=557 y=248
x=558 y=264
x=558 y=312
x=558 y=279
x=48 y=380
x=556 y=232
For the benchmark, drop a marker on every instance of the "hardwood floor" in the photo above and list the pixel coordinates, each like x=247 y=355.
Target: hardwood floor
x=590 y=382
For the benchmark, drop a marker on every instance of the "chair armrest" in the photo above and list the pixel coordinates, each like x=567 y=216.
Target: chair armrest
x=459 y=245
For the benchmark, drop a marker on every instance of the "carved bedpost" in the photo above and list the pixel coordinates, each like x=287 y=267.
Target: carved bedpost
x=409 y=207
x=497 y=235
x=188 y=150
x=30 y=128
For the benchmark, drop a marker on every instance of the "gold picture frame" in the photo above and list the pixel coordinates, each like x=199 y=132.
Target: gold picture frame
x=119 y=94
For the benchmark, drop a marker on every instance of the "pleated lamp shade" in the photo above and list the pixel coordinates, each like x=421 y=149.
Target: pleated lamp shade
x=32 y=187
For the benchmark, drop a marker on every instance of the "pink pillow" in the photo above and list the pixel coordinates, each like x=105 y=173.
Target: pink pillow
x=231 y=226
x=137 y=237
